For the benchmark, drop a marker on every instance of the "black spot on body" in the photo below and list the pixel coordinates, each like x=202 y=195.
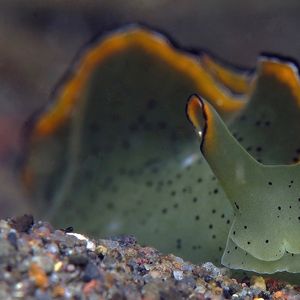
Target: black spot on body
x=115 y=117
x=178 y=243
x=149 y=183
x=122 y=171
x=154 y=170
x=236 y=205
x=131 y=172
x=110 y=206
x=151 y=104
x=115 y=189
x=160 y=183
x=133 y=127
x=258 y=123
x=243 y=118
x=125 y=144
x=162 y=125
x=141 y=119
x=94 y=127
x=147 y=126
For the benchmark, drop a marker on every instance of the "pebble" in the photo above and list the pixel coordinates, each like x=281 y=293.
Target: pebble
x=91 y=271
x=52 y=248
x=13 y=239
x=38 y=275
x=22 y=223
x=90 y=245
x=258 y=282
x=5 y=249
x=178 y=274
x=101 y=250
x=44 y=262
x=78 y=260
x=70 y=268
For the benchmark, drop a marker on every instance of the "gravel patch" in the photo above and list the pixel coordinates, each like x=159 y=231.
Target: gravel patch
x=39 y=262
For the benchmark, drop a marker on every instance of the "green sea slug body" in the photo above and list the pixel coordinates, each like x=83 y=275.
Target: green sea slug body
x=114 y=153
x=265 y=199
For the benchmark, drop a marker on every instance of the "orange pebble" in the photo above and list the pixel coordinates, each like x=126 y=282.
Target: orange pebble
x=38 y=275
x=279 y=296
x=90 y=286
x=58 y=291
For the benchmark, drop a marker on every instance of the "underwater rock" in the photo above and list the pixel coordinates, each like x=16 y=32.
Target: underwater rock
x=114 y=154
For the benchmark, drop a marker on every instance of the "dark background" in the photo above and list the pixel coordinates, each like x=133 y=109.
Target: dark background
x=39 y=38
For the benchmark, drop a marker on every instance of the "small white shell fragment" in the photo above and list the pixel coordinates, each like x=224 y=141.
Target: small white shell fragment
x=89 y=244
x=178 y=274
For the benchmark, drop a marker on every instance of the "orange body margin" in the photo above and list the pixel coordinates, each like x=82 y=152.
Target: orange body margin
x=151 y=42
